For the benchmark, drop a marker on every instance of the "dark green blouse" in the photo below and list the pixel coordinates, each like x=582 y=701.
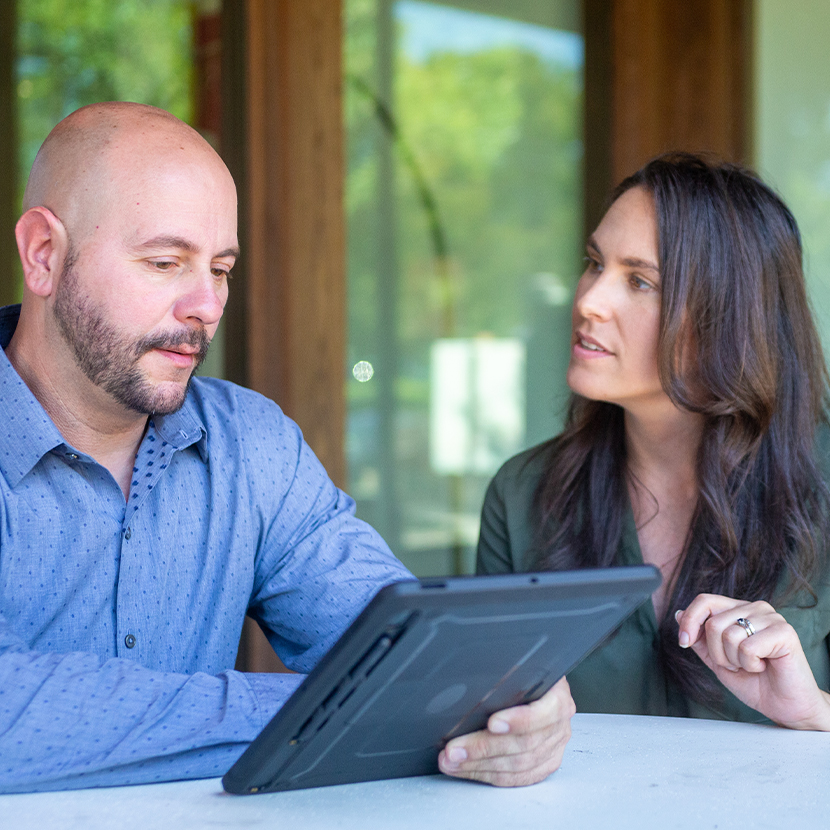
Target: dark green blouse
x=624 y=674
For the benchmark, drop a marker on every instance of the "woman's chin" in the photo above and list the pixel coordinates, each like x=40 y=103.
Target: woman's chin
x=587 y=387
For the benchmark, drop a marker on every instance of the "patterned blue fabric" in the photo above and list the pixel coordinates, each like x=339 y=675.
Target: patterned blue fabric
x=120 y=621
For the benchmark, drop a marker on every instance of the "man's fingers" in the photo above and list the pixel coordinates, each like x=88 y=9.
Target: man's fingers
x=512 y=769
x=521 y=745
x=485 y=746
x=555 y=705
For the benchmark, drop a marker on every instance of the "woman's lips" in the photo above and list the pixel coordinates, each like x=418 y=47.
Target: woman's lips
x=586 y=346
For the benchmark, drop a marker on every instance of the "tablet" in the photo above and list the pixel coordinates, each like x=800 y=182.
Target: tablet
x=429 y=660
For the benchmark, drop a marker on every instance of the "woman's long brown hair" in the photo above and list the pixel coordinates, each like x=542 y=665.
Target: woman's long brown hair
x=737 y=344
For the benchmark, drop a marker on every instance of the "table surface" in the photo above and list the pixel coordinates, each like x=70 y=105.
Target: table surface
x=619 y=771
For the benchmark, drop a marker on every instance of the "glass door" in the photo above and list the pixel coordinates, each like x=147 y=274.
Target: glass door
x=464 y=220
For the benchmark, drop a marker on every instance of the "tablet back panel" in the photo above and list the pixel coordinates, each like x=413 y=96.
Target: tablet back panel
x=430 y=660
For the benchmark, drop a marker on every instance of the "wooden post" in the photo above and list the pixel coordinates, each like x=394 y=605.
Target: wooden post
x=680 y=79
x=663 y=75
x=295 y=256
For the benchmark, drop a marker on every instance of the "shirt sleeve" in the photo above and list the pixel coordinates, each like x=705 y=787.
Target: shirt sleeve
x=80 y=719
x=318 y=565
x=76 y=720
x=494 y=554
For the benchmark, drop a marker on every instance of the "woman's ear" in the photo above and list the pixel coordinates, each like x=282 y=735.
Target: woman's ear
x=43 y=244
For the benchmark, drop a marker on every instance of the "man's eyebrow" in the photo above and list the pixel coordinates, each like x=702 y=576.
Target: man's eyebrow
x=183 y=245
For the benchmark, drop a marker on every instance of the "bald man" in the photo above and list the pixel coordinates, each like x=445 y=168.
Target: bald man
x=143 y=512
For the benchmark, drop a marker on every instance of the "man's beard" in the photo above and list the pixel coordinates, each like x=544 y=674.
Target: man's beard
x=109 y=360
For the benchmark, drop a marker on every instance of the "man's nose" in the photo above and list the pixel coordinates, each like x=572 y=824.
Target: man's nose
x=204 y=299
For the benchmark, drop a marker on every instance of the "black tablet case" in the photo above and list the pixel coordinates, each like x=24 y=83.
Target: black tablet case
x=430 y=660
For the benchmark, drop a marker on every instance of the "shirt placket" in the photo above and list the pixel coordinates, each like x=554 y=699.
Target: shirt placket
x=133 y=630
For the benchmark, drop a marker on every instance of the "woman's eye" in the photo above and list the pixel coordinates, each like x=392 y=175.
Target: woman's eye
x=639 y=283
x=592 y=263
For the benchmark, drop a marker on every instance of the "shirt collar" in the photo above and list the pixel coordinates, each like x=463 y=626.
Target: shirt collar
x=27 y=432
x=184 y=428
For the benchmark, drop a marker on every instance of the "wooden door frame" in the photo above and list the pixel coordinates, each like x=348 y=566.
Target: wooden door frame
x=663 y=75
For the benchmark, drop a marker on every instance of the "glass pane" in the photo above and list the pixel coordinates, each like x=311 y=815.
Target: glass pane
x=792 y=128
x=464 y=211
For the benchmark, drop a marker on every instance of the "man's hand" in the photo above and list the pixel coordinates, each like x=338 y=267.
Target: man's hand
x=520 y=746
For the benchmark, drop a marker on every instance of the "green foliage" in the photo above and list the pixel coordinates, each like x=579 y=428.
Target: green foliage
x=77 y=52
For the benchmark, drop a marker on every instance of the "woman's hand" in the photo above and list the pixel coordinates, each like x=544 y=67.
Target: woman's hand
x=520 y=746
x=766 y=669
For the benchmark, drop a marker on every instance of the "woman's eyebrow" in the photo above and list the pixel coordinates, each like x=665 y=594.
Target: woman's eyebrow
x=628 y=262
x=633 y=262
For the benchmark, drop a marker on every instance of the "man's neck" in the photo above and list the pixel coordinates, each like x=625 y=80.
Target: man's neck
x=86 y=416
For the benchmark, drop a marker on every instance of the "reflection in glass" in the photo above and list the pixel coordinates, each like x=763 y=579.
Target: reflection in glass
x=463 y=200
x=792 y=128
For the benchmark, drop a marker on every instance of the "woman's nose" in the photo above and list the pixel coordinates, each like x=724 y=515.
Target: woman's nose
x=593 y=299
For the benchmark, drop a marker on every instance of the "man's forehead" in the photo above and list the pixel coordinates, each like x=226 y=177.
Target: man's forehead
x=170 y=204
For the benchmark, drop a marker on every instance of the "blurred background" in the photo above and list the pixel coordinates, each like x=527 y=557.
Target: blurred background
x=417 y=180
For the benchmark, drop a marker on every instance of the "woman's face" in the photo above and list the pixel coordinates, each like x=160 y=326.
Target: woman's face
x=616 y=313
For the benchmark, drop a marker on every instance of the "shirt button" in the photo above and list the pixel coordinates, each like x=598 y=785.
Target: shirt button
x=129 y=641
x=73 y=455
x=127 y=533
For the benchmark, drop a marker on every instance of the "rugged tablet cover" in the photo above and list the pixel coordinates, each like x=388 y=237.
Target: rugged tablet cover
x=428 y=660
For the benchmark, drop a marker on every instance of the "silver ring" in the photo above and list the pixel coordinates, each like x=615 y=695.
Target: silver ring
x=746 y=625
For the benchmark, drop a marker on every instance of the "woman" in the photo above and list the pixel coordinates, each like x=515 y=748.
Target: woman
x=696 y=440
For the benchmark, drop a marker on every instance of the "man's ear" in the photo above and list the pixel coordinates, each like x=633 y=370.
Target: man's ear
x=43 y=244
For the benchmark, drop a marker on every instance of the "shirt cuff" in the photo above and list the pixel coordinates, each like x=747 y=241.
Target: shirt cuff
x=272 y=690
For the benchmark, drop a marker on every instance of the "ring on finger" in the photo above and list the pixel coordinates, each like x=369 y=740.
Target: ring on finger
x=746 y=625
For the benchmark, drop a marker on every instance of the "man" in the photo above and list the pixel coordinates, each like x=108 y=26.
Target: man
x=142 y=514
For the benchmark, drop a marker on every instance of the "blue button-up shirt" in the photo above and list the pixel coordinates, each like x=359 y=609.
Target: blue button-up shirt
x=120 y=621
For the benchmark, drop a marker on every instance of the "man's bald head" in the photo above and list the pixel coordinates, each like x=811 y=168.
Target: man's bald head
x=93 y=152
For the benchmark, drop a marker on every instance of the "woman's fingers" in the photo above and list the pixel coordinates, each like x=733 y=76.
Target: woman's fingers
x=711 y=626
x=757 y=655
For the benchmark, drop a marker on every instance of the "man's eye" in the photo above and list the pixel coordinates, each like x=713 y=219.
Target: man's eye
x=162 y=265
x=221 y=273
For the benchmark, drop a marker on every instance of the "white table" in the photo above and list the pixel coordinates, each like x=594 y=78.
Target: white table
x=618 y=772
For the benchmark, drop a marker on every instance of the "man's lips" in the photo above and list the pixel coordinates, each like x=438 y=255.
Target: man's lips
x=181 y=356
